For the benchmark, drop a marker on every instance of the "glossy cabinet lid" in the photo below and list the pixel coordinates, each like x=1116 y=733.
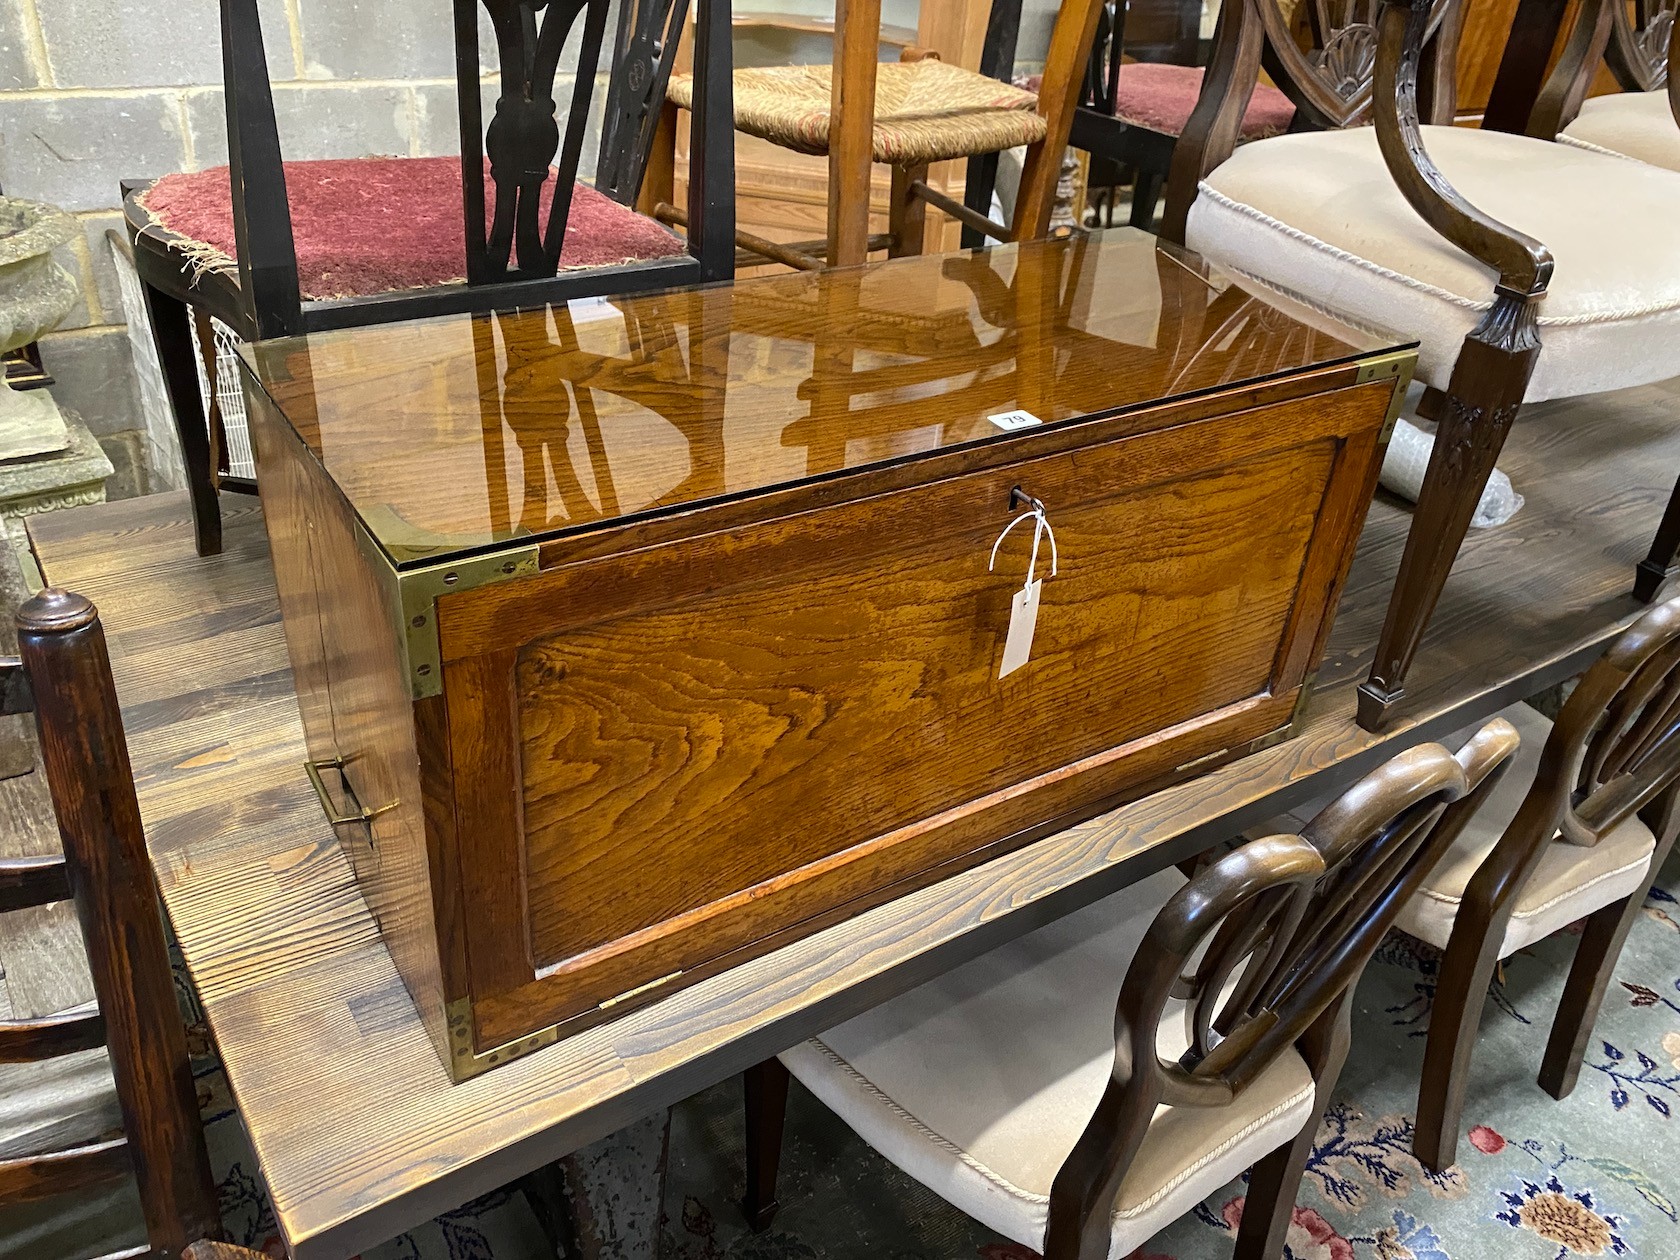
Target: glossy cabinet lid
x=458 y=433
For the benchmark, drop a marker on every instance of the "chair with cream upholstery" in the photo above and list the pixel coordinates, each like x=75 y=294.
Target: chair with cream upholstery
x=1566 y=836
x=1577 y=831
x=1079 y=1088
x=1636 y=39
x=1491 y=249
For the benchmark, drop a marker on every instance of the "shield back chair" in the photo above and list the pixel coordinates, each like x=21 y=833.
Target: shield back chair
x=907 y=115
x=97 y=1094
x=1640 y=42
x=1448 y=234
x=1132 y=117
x=271 y=248
x=1578 y=831
x=1637 y=40
x=1078 y=1125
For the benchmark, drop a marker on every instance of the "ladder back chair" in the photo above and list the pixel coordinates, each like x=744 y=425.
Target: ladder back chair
x=1482 y=244
x=63 y=675
x=271 y=247
x=1578 y=830
x=907 y=115
x=1079 y=1124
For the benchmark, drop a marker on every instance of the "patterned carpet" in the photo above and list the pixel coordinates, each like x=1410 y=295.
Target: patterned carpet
x=1596 y=1175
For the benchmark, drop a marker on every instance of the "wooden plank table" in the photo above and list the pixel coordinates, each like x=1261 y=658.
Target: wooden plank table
x=358 y=1131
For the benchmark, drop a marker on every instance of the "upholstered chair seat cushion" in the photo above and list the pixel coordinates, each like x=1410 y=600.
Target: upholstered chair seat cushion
x=363 y=226
x=1160 y=97
x=1639 y=125
x=1570 y=882
x=1316 y=221
x=979 y=1083
x=925 y=111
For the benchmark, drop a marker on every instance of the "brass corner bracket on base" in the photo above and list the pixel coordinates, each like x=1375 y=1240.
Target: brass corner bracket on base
x=1398 y=366
x=466 y=1063
x=414 y=594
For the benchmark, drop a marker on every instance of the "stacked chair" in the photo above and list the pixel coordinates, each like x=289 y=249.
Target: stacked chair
x=1490 y=248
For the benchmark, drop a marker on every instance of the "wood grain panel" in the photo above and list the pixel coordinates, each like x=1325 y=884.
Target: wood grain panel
x=779 y=720
x=344 y=641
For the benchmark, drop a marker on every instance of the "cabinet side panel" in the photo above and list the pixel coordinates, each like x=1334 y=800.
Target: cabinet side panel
x=346 y=638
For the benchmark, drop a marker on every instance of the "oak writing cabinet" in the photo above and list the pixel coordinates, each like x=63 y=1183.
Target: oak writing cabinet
x=638 y=637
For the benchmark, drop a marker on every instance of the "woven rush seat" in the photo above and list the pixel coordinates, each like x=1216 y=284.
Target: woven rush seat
x=1160 y=98
x=363 y=226
x=925 y=111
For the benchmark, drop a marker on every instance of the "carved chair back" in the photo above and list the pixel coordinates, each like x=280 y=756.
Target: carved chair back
x=1614 y=752
x=1324 y=55
x=1261 y=950
x=63 y=674
x=1641 y=34
x=1638 y=39
x=532 y=157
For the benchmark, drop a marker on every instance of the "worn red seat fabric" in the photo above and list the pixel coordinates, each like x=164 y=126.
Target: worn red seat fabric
x=1160 y=98
x=377 y=225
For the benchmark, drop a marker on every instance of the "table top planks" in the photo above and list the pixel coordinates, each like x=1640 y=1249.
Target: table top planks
x=357 y=1128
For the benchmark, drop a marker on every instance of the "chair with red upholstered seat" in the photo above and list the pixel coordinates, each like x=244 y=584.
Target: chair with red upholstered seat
x=1134 y=115
x=270 y=248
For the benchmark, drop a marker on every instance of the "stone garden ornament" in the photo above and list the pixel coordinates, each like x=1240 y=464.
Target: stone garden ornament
x=35 y=293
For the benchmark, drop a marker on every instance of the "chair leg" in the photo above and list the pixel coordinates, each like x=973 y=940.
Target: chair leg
x=1583 y=993
x=1275 y=1182
x=1146 y=197
x=659 y=180
x=1655 y=568
x=1487 y=387
x=1460 y=997
x=766 y=1091
x=178 y=354
x=907 y=216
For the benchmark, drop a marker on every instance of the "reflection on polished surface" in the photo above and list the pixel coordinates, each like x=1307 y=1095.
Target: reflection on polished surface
x=462 y=431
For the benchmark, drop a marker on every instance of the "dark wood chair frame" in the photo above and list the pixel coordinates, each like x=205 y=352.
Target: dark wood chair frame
x=1641 y=46
x=1113 y=140
x=1614 y=752
x=509 y=263
x=1391 y=62
x=1295 y=919
x=63 y=675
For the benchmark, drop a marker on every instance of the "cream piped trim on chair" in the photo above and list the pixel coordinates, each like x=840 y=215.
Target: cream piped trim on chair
x=1573 y=143
x=1412 y=282
x=873 y=1091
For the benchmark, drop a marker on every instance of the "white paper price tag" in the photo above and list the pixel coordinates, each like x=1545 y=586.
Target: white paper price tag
x=1023 y=616
x=1023 y=611
x=1017 y=419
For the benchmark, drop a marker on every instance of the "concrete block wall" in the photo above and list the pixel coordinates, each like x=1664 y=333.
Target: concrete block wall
x=96 y=91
